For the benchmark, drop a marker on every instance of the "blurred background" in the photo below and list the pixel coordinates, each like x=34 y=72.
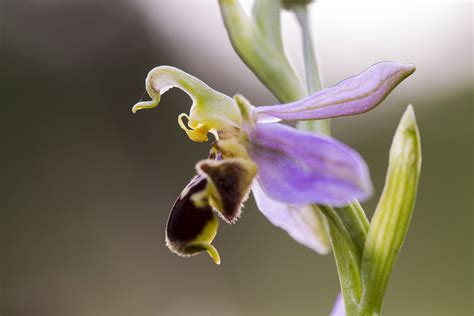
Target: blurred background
x=87 y=186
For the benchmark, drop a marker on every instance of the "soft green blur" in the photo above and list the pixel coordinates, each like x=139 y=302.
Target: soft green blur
x=87 y=185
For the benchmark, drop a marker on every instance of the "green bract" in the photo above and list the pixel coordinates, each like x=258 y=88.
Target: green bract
x=392 y=216
x=257 y=40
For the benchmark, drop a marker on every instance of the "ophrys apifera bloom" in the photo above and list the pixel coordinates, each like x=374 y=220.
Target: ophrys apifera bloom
x=287 y=169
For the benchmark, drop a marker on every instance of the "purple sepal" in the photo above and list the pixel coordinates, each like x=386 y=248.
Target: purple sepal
x=300 y=168
x=351 y=96
x=338 y=309
x=301 y=223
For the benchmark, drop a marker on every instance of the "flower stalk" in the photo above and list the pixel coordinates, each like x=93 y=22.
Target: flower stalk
x=349 y=236
x=257 y=40
x=364 y=252
x=313 y=78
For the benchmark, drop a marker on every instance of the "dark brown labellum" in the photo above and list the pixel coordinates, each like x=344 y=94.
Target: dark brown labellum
x=231 y=179
x=188 y=220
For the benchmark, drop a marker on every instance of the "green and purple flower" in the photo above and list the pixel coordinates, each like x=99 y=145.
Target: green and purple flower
x=286 y=169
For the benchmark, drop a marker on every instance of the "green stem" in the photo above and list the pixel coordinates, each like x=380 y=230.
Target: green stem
x=349 y=276
x=253 y=40
x=345 y=228
x=355 y=221
x=348 y=226
x=313 y=81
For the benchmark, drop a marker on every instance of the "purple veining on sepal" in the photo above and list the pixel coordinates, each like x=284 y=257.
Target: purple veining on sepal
x=301 y=223
x=351 y=96
x=301 y=168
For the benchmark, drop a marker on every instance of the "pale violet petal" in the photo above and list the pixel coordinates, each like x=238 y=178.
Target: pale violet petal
x=338 y=309
x=303 y=224
x=301 y=168
x=351 y=96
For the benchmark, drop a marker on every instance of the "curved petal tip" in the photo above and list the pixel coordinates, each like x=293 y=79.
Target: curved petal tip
x=354 y=95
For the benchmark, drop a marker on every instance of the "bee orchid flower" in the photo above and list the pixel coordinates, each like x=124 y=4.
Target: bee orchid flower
x=285 y=168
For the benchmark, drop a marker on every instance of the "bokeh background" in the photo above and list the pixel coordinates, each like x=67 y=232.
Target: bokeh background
x=86 y=186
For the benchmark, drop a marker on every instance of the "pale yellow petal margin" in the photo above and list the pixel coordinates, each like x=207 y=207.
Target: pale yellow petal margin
x=211 y=110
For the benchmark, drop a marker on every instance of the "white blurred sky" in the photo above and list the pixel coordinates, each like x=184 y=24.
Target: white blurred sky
x=350 y=36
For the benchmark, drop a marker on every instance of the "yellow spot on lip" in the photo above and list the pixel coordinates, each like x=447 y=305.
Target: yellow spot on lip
x=206 y=237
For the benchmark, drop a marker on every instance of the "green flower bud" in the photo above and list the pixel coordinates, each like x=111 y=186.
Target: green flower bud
x=392 y=216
